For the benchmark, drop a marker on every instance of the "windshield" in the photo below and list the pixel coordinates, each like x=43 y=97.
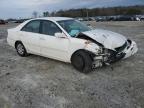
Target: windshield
x=73 y=27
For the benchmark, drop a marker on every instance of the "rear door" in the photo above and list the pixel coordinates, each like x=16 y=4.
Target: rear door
x=30 y=34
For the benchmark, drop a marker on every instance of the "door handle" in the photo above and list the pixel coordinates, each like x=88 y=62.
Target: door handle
x=42 y=38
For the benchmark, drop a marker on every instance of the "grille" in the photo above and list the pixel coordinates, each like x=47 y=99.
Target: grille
x=121 y=48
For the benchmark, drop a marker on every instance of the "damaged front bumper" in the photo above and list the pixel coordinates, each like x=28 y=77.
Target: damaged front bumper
x=110 y=56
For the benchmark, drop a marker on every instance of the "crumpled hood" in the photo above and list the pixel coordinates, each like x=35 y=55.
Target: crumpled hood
x=109 y=39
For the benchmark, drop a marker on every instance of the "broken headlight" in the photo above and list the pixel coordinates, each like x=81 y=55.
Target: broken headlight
x=128 y=43
x=100 y=50
x=121 y=48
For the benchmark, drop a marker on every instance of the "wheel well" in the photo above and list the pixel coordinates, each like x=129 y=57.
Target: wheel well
x=92 y=55
x=17 y=43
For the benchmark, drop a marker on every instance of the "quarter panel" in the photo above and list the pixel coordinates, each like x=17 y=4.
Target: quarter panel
x=12 y=37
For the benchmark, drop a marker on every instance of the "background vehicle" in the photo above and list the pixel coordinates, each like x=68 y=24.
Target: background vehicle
x=124 y=18
x=2 y=21
x=142 y=18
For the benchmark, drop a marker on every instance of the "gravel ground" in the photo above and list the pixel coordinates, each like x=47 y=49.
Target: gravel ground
x=38 y=82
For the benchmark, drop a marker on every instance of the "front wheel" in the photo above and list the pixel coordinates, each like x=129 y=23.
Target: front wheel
x=82 y=61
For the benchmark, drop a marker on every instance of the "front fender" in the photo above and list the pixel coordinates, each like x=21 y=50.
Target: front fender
x=92 y=47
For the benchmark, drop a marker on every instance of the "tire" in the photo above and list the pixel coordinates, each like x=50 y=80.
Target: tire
x=21 y=49
x=82 y=61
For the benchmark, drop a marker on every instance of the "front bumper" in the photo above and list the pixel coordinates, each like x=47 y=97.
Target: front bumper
x=114 y=56
x=127 y=52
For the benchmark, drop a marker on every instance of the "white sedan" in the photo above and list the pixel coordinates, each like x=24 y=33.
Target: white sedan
x=71 y=41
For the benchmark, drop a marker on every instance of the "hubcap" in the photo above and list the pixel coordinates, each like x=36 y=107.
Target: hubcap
x=20 y=49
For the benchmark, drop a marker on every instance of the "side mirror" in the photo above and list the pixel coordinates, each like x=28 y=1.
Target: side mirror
x=88 y=24
x=60 y=35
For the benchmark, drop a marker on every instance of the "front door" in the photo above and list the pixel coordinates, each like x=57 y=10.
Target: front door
x=50 y=45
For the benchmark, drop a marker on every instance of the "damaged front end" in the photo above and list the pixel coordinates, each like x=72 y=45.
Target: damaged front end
x=104 y=56
x=109 y=56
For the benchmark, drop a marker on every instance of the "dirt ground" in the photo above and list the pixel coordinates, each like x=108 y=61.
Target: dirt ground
x=38 y=82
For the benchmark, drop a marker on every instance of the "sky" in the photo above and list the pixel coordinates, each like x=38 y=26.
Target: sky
x=25 y=8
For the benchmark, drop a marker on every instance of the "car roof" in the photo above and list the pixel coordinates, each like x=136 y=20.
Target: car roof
x=54 y=18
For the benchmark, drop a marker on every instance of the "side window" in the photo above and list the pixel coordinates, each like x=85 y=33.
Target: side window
x=33 y=26
x=50 y=28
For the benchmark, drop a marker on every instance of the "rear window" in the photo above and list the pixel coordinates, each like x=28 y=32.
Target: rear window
x=33 y=26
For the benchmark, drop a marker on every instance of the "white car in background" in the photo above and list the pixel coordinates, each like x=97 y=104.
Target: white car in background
x=71 y=41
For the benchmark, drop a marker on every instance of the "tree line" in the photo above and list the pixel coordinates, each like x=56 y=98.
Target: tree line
x=108 y=11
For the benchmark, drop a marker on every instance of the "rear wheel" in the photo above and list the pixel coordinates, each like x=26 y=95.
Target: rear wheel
x=82 y=61
x=21 y=49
